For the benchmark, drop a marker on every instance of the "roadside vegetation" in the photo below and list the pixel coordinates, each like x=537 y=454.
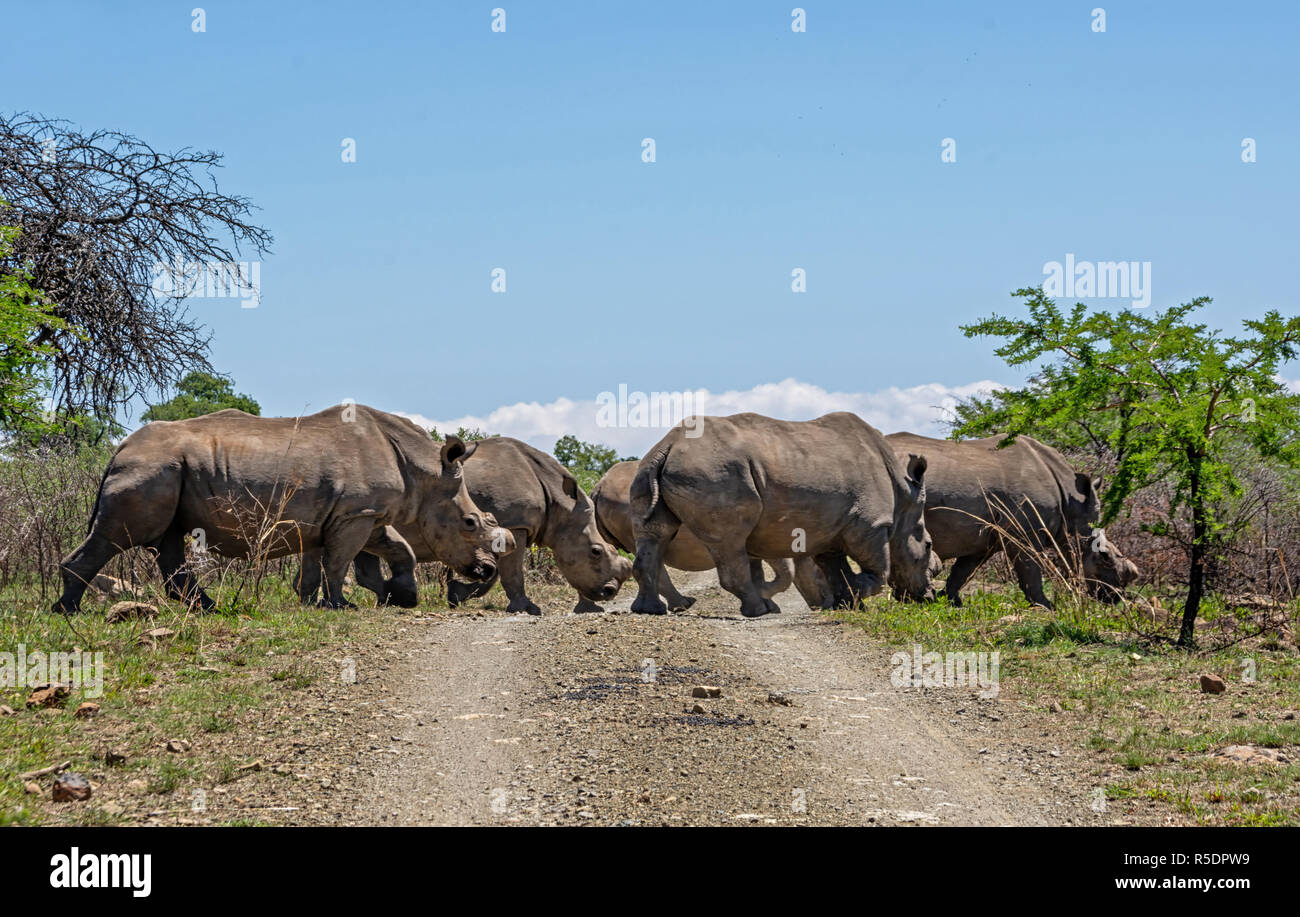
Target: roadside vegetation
x=1172 y=406
x=1198 y=443
x=178 y=707
x=1113 y=680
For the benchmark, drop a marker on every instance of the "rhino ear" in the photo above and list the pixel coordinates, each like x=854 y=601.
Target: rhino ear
x=570 y=486
x=1085 y=485
x=916 y=465
x=455 y=451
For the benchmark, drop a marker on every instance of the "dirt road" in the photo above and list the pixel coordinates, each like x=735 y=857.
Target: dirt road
x=567 y=719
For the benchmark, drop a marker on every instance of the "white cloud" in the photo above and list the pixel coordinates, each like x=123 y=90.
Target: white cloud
x=918 y=409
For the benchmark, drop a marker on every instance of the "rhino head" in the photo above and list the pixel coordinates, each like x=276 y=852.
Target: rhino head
x=1082 y=505
x=461 y=535
x=1105 y=567
x=911 y=553
x=1106 y=570
x=591 y=564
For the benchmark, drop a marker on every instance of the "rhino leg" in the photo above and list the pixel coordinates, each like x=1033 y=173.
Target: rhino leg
x=458 y=592
x=962 y=570
x=1030 y=576
x=869 y=547
x=736 y=574
x=757 y=575
x=676 y=601
x=511 y=567
x=343 y=541
x=307 y=582
x=838 y=579
x=400 y=589
x=80 y=567
x=370 y=575
x=811 y=583
x=180 y=584
x=586 y=606
x=783 y=570
x=652 y=536
x=131 y=510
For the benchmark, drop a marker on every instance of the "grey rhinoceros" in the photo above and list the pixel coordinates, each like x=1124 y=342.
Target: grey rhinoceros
x=975 y=491
x=750 y=486
x=539 y=502
x=400 y=588
x=329 y=482
x=612 y=496
x=826 y=581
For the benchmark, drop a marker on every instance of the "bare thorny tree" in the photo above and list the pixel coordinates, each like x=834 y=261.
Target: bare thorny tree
x=100 y=214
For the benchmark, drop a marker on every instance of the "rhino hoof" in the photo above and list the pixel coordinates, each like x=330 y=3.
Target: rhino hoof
x=684 y=603
x=758 y=610
x=587 y=607
x=402 y=598
x=526 y=605
x=649 y=606
x=458 y=592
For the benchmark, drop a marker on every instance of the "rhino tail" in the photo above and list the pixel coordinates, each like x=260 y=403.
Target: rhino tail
x=645 y=486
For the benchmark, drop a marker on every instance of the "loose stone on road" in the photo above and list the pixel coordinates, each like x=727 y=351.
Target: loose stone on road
x=596 y=719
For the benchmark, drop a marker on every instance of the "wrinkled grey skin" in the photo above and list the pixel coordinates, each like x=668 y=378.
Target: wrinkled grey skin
x=326 y=482
x=826 y=581
x=539 y=502
x=1026 y=487
x=387 y=544
x=1107 y=570
x=612 y=496
x=748 y=485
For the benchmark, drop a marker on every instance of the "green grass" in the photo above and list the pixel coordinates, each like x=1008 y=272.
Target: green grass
x=193 y=685
x=1132 y=698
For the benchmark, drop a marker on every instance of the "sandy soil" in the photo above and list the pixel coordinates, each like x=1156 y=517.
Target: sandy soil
x=478 y=717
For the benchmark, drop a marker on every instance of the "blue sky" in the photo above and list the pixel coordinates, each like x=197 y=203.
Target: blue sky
x=774 y=151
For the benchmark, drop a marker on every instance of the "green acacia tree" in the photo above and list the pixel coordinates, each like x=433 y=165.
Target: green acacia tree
x=25 y=315
x=1174 y=401
x=198 y=394
x=585 y=461
x=577 y=455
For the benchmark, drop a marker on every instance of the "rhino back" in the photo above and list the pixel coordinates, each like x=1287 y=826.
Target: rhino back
x=810 y=475
x=230 y=464
x=972 y=483
x=833 y=456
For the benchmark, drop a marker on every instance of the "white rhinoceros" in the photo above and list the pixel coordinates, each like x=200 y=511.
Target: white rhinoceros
x=276 y=486
x=750 y=486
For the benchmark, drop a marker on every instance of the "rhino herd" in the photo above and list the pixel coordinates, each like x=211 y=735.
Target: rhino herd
x=357 y=486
